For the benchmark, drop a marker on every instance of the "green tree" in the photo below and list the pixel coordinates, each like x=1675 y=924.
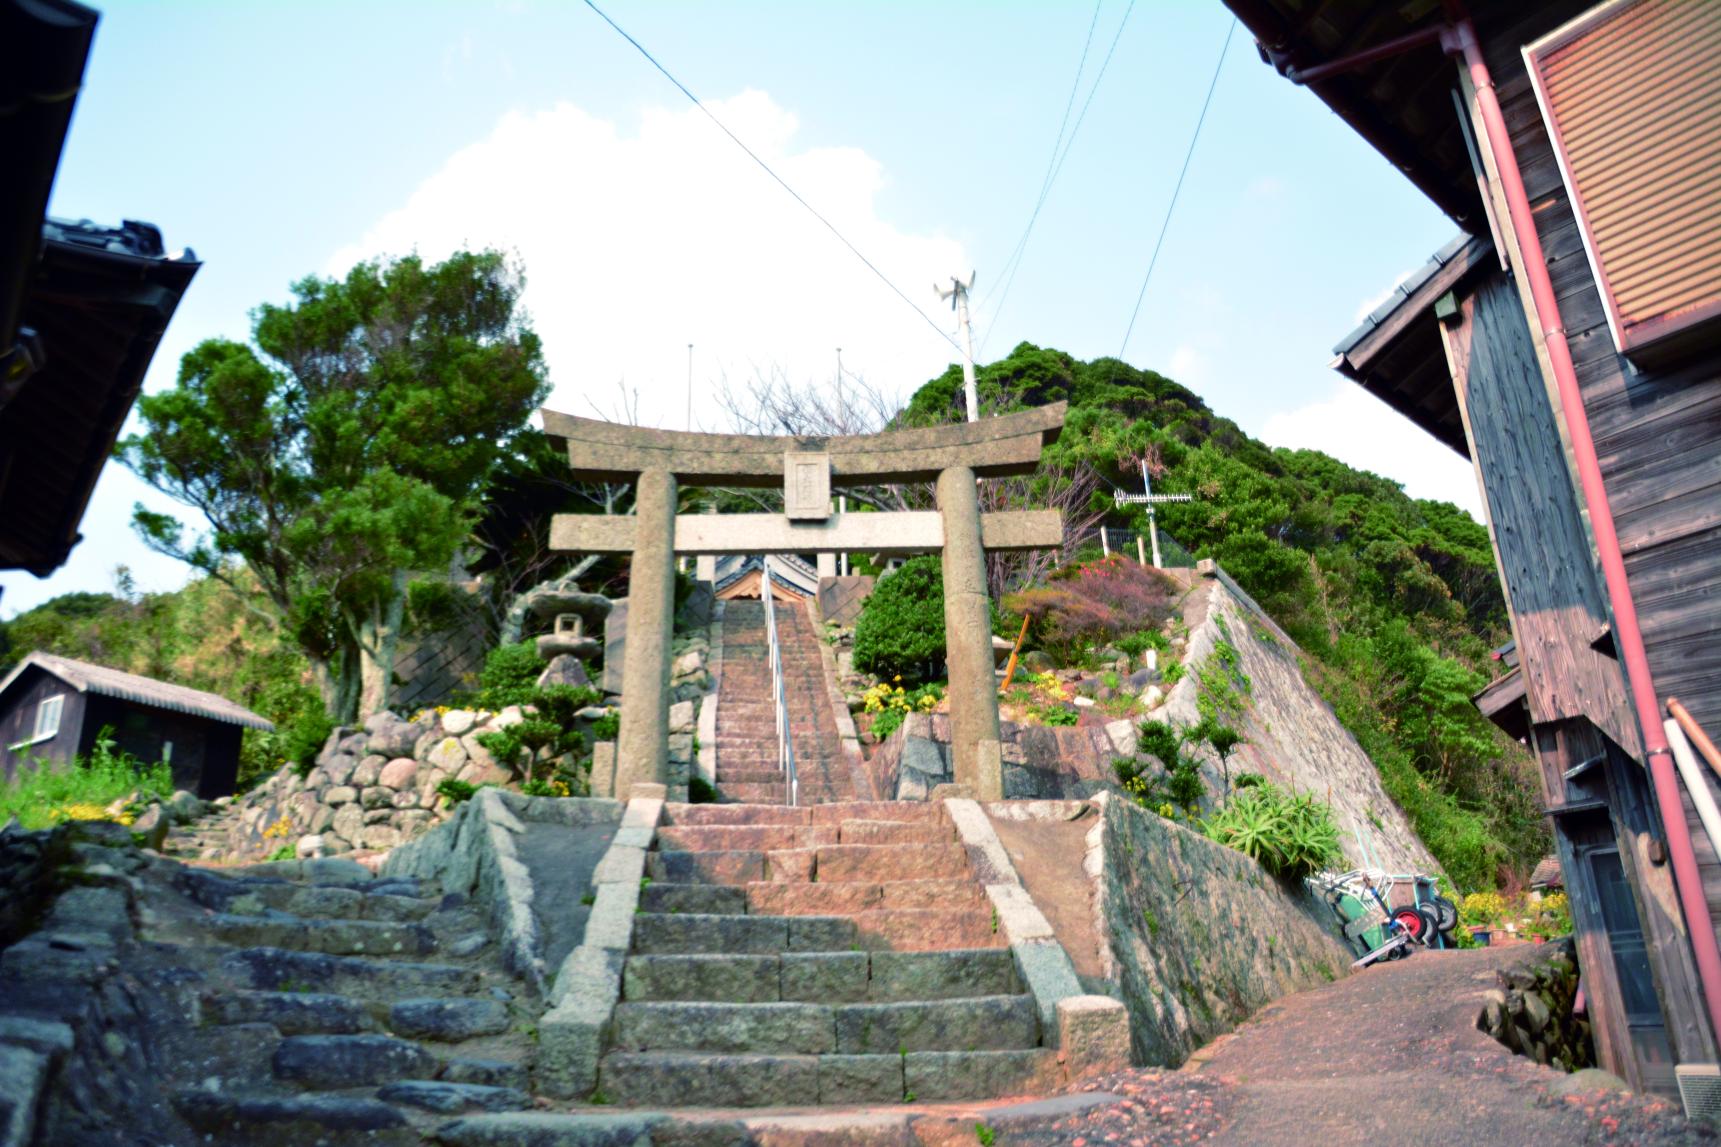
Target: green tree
x=344 y=448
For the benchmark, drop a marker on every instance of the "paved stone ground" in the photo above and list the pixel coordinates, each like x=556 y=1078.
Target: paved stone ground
x=1390 y=1055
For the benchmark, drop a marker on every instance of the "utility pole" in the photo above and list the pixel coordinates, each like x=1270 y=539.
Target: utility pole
x=690 y=386
x=958 y=296
x=1150 y=499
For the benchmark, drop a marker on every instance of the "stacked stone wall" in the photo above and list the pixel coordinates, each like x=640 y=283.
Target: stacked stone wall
x=371 y=788
x=1200 y=936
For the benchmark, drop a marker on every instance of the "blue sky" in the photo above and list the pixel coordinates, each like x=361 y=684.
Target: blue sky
x=285 y=140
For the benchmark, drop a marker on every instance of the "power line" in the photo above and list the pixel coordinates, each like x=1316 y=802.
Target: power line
x=1059 y=157
x=1051 y=160
x=1187 y=156
x=781 y=182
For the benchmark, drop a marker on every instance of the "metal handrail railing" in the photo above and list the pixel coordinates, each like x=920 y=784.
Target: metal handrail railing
x=779 y=694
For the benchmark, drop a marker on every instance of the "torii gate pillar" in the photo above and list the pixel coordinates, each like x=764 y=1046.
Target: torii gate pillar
x=642 y=743
x=975 y=740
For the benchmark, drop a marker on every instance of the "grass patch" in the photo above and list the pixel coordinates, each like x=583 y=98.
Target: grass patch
x=46 y=795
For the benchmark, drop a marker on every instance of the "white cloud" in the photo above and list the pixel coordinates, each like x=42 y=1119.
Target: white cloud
x=1360 y=430
x=1187 y=365
x=1367 y=306
x=638 y=243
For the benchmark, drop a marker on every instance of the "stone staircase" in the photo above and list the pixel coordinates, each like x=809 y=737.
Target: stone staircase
x=334 y=1007
x=748 y=770
x=826 y=954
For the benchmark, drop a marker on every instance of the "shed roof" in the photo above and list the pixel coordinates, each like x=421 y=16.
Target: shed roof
x=105 y=682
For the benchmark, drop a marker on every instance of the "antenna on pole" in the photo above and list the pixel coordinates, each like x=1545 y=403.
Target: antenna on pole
x=1150 y=500
x=958 y=296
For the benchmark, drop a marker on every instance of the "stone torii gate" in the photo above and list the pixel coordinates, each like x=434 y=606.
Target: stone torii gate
x=659 y=462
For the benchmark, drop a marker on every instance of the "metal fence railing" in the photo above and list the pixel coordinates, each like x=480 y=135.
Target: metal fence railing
x=779 y=694
x=1135 y=544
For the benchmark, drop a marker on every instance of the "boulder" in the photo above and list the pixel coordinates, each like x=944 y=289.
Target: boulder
x=369 y=769
x=376 y=797
x=381 y=836
x=310 y=845
x=340 y=795
x=393 y=737
x=338 y=767
x=347 y=823
x=458 y=721
x=1037 y=661
x=150 y=829
x=1152 y=696
x=681 y=717
x=184 y=807
x=449 y=754
x=398 y=773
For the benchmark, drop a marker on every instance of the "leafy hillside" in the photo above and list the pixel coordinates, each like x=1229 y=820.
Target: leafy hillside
x=1396 y=600
x=203 y=636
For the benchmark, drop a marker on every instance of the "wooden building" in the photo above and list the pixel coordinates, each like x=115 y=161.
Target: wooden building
x=53 y=708
x=1569 y=344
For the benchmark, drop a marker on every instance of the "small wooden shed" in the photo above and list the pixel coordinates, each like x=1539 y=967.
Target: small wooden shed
x=53 y=708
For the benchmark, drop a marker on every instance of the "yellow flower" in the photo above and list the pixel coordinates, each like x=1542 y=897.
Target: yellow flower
x=898 y=677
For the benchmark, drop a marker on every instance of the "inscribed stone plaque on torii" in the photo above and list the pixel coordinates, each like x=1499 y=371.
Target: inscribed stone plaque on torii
x=953 y=456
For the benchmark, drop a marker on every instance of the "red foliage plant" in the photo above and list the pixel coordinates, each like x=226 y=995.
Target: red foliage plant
x=1094 y=603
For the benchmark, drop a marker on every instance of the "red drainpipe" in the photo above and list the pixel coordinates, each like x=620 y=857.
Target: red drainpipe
x=1460 y=40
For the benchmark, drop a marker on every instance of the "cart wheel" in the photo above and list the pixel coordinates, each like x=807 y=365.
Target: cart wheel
x=1415 y=921
x=1445 y=914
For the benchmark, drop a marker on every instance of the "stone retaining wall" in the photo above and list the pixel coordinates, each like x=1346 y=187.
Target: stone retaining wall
x=371 y=788
x=1531 y=1010
x=1200 y=935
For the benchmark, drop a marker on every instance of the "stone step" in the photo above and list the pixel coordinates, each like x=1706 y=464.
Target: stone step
x=700 y=814
x=759 y=774
x=778 y=1028
x=677 y=1079
x=918 y=811
x=279 y=970
x=822 y=977
x=290 y=1013
x=692 y=933
x=334 y=937
x=880 y=862
x=928 y=930
x=895 y=832
x=324 y=1062
x=704 y=899
x=831 y=898
x=250 y=1119
x=754 y=793
x=446 y=1098
x=728 y=837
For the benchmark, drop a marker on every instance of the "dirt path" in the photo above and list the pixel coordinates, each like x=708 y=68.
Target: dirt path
x=1391 y=1055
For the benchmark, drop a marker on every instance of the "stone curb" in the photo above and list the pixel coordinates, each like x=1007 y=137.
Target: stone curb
x=1040 y=960
x=588 y=984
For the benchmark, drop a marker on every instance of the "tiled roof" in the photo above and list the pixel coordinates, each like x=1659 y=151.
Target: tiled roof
x=105 y=682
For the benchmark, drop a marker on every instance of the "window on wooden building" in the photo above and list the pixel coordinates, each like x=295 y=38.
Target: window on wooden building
x=48 y=717
x=1631 y=95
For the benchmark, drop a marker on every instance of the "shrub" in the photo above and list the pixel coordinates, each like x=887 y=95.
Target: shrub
x=900 y=631
x=607 y=727
x=1292 y=835
x=1095 y=603
x=699 y=791
x=1180 y=783
x=454 y=792
x=509 y=677
x=301 y=741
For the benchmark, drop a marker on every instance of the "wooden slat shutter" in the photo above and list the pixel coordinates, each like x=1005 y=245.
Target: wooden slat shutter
x=1631 y=94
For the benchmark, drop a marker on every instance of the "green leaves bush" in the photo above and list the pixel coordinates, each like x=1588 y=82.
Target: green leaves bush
x=900 y=631
x=1292 y=835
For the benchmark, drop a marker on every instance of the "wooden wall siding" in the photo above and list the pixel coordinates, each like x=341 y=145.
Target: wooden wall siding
x=18 y=721
x=1655 y=428
x=1544 y=556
